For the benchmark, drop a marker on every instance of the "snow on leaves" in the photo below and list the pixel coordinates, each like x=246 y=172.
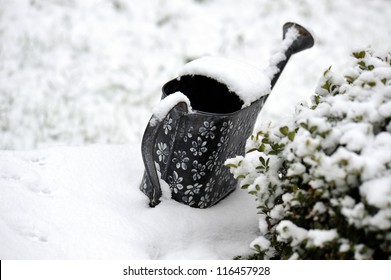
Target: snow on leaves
x=323 y=178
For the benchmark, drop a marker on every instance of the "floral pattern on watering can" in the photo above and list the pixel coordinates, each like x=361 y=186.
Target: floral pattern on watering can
x=190 y=152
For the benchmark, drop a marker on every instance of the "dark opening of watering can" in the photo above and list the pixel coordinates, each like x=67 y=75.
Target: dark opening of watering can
x=205 y=94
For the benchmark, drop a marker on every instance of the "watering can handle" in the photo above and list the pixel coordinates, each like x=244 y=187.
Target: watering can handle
x=148 y=146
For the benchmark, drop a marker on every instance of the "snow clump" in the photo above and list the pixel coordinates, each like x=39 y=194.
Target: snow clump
x=167 y=104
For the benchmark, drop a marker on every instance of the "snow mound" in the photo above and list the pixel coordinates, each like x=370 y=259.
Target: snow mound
x=165 y=106
x=248 y=82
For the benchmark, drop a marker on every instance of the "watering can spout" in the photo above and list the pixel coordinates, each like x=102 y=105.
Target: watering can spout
x=296 y=39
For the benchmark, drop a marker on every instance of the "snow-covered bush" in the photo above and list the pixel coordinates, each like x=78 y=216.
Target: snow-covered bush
x=323 y=179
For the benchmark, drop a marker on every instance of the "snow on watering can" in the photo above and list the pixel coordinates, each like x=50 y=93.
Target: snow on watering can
x=205 y=117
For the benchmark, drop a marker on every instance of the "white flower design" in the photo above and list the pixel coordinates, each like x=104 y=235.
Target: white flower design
x=180 y=160
x=213 y=161
x=193 y=189
x=227 y=127
x=210 y=185
x=185 y=134
x=216 y=196
x=167 y=125
x=198 y=170
x=224 y=140
x=204 y=201
x=189 y=200
x=174 y=182
x=144 y=184
x=199 y=147
x=218 y=169
x=208 y=130
x=162 y=152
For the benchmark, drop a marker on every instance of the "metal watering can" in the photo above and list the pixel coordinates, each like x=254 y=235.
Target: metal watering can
x=184 y=150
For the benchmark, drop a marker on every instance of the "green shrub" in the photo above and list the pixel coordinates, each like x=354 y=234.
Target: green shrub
x=323 y=179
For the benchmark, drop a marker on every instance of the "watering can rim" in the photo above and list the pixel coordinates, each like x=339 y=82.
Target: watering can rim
x=304 y=40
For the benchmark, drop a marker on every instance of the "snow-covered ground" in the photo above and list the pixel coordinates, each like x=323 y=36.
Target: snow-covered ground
x=85 y=203
x=87 y=72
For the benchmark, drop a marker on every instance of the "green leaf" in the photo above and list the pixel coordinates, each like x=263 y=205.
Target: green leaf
x=359 y=55
x=344 y=162
x=317 y=99
x=326 y=86
x=327 y=70
x=350 y=79
x=313 y=128
x=284 y=130
x=277 y=147
x=260 y=133
x=325 y=133
x=291 y=135
x=362 y=65
x=231 y=165
x=251 y=150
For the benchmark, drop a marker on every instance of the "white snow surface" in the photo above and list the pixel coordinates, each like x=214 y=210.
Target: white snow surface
x=85 y=203
x=289 y=231
x=248 y=82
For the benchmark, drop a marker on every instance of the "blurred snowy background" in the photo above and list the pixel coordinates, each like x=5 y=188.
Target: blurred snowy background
x=90 y=71
x=80 y=72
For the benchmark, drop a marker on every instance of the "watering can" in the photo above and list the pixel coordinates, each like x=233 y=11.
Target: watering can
x=206 y=117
